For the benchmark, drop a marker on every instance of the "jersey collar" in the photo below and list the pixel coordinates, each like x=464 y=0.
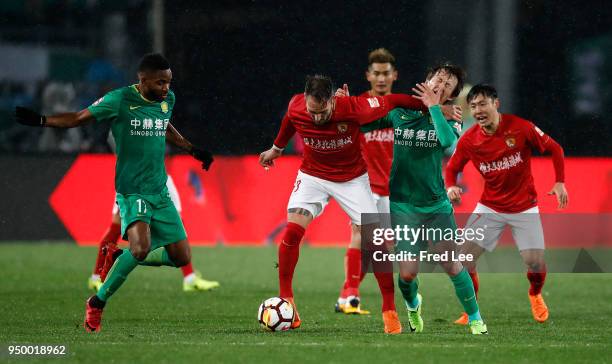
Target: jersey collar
x=141 y=96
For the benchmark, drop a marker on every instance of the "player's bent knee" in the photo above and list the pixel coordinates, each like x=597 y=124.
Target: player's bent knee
x=452 y=268
x=407 y=277
x=138 y=252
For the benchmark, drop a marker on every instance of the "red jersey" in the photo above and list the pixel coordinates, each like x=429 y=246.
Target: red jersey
x=377 y=151
x=504 y=161
x=332 y=150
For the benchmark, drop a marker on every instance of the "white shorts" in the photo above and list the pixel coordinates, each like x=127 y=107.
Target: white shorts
x=174 y=196
x=354 y=196
x=382 y=203
x=384 y=208
x=526 y=227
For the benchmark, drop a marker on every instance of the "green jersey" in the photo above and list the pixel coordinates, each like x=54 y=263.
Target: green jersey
x=418 y=148
x=139 y=128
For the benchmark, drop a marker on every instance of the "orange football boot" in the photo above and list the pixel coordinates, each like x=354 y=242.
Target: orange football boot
x=393 y=325
x=538 y=308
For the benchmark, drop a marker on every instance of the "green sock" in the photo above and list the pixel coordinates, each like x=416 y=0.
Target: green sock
x=158 y=257
x=124 y=264
x=464 y=288
x=409 y=291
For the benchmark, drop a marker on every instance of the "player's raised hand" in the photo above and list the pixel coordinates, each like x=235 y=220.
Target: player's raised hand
x=427 y=96
x=266 y=159
x=341 y=92
x=454 y=194
x=562 y=197
x=29 y=117
x=203 y=156
x=457 y=113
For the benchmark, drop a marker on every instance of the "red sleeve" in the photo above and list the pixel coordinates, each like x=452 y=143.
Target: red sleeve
x=544 y=143
x=455 y=164
x=405 y=101
x=287 y=130
x=557 y=157
x=365 y=110
x=362 y=110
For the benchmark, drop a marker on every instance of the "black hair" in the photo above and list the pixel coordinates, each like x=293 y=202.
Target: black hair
x=153 y=62
x=320 y=87
x=482 y=89
x=451 y=69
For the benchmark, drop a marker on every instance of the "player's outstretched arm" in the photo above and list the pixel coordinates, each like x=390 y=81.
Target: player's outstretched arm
x=414 y=103
x=286 y=132
x=202 y=155
x=30 y=117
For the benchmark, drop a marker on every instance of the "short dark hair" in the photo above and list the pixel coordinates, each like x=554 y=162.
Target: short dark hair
x=381 y=55
x=451 y=69
x=482 y=89
x=320 y=87
x=153 y=62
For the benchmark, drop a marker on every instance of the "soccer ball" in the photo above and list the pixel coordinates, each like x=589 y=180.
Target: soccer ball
x=275 y=314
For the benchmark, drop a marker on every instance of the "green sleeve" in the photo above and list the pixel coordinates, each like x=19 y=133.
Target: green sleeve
x=382 y=123
x=446 y=136
x=107 y=107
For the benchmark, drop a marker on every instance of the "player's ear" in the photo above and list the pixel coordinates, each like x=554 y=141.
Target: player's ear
x=394 y=75
x=496 y=103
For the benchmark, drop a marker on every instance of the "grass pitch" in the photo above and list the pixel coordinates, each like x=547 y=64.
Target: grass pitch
x=150 y=319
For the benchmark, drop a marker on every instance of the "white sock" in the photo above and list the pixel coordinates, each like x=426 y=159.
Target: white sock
x=189 y=278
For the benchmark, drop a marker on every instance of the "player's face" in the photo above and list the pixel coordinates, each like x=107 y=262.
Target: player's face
x=320 y=111
x=445 y=82
x=484 y=110
x=381 y=77
x=155 y=84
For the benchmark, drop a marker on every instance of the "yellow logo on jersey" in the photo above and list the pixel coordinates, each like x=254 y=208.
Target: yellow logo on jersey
x=164 y=106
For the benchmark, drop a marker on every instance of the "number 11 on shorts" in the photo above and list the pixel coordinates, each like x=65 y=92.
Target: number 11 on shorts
x=142 y=206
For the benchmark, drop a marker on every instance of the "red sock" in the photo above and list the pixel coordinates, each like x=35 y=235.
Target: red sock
x=344 y=291
x=110 y=237
x=475 y=281
x=187 y=269
x=536 y=280
x=353 y=271
x=385 y=283
x=288 y=255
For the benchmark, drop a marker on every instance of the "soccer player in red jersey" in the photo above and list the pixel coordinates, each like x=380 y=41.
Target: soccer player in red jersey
x=377 y=151
x=332 y=167
x=500 y=147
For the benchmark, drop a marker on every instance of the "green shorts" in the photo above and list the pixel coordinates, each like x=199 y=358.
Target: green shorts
x=433 y=224
x=156 y=210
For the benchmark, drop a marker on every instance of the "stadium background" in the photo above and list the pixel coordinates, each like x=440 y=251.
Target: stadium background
x=235 y=65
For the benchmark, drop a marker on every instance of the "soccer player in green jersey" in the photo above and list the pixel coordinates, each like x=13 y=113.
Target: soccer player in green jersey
x=418 y=198
x=140 y=122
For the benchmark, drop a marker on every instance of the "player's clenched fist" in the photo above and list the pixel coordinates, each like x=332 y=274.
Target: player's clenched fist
x=454 y=194
x=29 y=117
